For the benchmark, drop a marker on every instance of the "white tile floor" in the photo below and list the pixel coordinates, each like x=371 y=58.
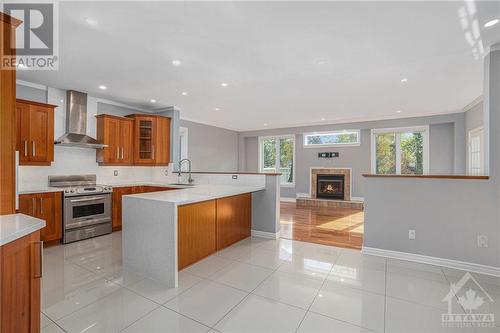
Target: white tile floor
x=257 y=285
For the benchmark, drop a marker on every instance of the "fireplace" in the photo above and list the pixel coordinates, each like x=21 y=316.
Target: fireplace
x=330 y=186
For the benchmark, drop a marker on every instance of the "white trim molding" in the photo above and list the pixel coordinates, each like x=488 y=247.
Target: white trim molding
x=362 y=199
x=287 y=199
x=264 y=234
x=450 y=263
x=31 y=85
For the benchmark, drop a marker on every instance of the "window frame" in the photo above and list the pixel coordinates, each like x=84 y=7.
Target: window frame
x=327 y=145
x=277 y=162
x=472 y=133
x=398 y=130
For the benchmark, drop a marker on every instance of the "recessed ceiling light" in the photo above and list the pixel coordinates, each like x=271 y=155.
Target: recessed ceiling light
x=265 y=124
x=321 y=62
x=152 y=100
x=491 y=23
x=103 y=87
x=404 y=80
x=90 y=21
x=184 y=93
x=398 y=111
x=217 y=109
x=176 y=62
x=61 y=100
x=223 y=84
x=323 y=118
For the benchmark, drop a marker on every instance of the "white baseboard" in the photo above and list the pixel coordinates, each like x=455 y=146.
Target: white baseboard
x=302 y=195
x=456 y=264
x=286 y=199
x=263 y=234
x=362 y=199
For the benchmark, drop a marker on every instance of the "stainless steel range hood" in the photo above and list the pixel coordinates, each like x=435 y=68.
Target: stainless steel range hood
x=76 y=123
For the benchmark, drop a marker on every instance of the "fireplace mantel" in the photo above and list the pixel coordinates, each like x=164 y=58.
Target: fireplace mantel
x=315 y=171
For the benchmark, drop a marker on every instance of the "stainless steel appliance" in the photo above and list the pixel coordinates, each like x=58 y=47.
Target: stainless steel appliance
x=86 y=206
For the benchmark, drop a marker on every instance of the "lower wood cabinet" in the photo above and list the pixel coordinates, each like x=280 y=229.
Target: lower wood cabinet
x=196 y=232
x=118 y=192
x=20 y=273
x=206 y=227
x=45 y=206
x=234 y=219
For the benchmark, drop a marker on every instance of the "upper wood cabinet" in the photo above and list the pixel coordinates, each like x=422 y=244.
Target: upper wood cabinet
x=134 y=140
x=35 y=132
x=20 y=274
x=117 y=133
x=45 y=206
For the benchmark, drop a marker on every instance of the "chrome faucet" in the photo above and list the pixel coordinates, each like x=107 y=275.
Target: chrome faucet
x=190 y=179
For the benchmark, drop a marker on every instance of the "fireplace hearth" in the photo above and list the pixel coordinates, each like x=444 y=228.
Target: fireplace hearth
x=330 y=186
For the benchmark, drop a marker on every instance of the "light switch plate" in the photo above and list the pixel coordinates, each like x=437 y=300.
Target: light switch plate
x=115 y=173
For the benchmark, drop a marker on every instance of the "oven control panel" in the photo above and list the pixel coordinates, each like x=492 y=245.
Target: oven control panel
x=84 y=190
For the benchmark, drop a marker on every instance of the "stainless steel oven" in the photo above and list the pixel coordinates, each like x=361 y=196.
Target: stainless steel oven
x=86 y=216
x=86 y=207
x=82 y=211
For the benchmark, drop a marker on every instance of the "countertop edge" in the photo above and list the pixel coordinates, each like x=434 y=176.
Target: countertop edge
x=370 y=175
x=36 y=224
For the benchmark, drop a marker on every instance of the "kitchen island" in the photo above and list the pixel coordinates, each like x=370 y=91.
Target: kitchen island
x=168 y=230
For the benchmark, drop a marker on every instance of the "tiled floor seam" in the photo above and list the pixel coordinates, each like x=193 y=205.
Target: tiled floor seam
x=83 y=307
x=319 y=290
x=249 y=293
x=140 y=318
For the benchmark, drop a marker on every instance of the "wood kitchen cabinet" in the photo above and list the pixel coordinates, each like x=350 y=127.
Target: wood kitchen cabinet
x=48 y=207
x=234 y=219
x=35 y=132
x=20 y=273
x=118 y=192
x=118 y=134
x=196 y=232
x=151 y=139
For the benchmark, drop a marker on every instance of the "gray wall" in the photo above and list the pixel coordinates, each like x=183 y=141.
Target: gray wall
x=446 y=156
x=31 y=94
x=446 y=214
x=211 y=148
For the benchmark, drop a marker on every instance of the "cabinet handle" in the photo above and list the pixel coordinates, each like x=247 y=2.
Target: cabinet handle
x=41 y=206
x=25 y=148
x=33 y=206
x=117 y=153
x=40 y=270
x=122 y=152
x=153 y=152
x=33 y=148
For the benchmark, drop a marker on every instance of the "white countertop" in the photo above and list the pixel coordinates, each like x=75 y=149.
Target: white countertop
x=197 y=193
x=48 y=189
x=15 y=226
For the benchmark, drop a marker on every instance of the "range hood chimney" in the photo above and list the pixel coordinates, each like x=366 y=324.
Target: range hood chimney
x=76 y=123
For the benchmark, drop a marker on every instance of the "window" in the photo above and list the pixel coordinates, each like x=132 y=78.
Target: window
x=476 y=152
x=402 y=151
x=183 y=145
x=277 y=154
x=332 y=139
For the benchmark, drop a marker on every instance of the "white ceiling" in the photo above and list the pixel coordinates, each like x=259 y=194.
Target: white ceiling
x=286 y=63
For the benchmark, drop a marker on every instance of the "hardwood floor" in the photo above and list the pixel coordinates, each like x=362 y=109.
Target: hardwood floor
x=341 y=227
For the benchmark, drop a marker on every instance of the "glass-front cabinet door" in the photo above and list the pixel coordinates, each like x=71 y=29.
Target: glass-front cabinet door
x=145 y=139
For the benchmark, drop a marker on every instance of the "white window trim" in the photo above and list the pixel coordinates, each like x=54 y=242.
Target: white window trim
x=469 y=156
x=357 y=144
x=424 y=129
x=277 y=137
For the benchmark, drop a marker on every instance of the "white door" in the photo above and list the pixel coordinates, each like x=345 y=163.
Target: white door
x=476 y=152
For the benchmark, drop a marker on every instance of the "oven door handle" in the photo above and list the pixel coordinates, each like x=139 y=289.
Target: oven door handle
x=87 y=199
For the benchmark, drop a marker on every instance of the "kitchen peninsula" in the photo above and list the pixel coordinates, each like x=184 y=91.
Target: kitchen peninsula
x=166 y=231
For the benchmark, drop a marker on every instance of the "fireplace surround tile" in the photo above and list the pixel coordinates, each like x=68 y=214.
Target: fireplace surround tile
x=332 y=171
